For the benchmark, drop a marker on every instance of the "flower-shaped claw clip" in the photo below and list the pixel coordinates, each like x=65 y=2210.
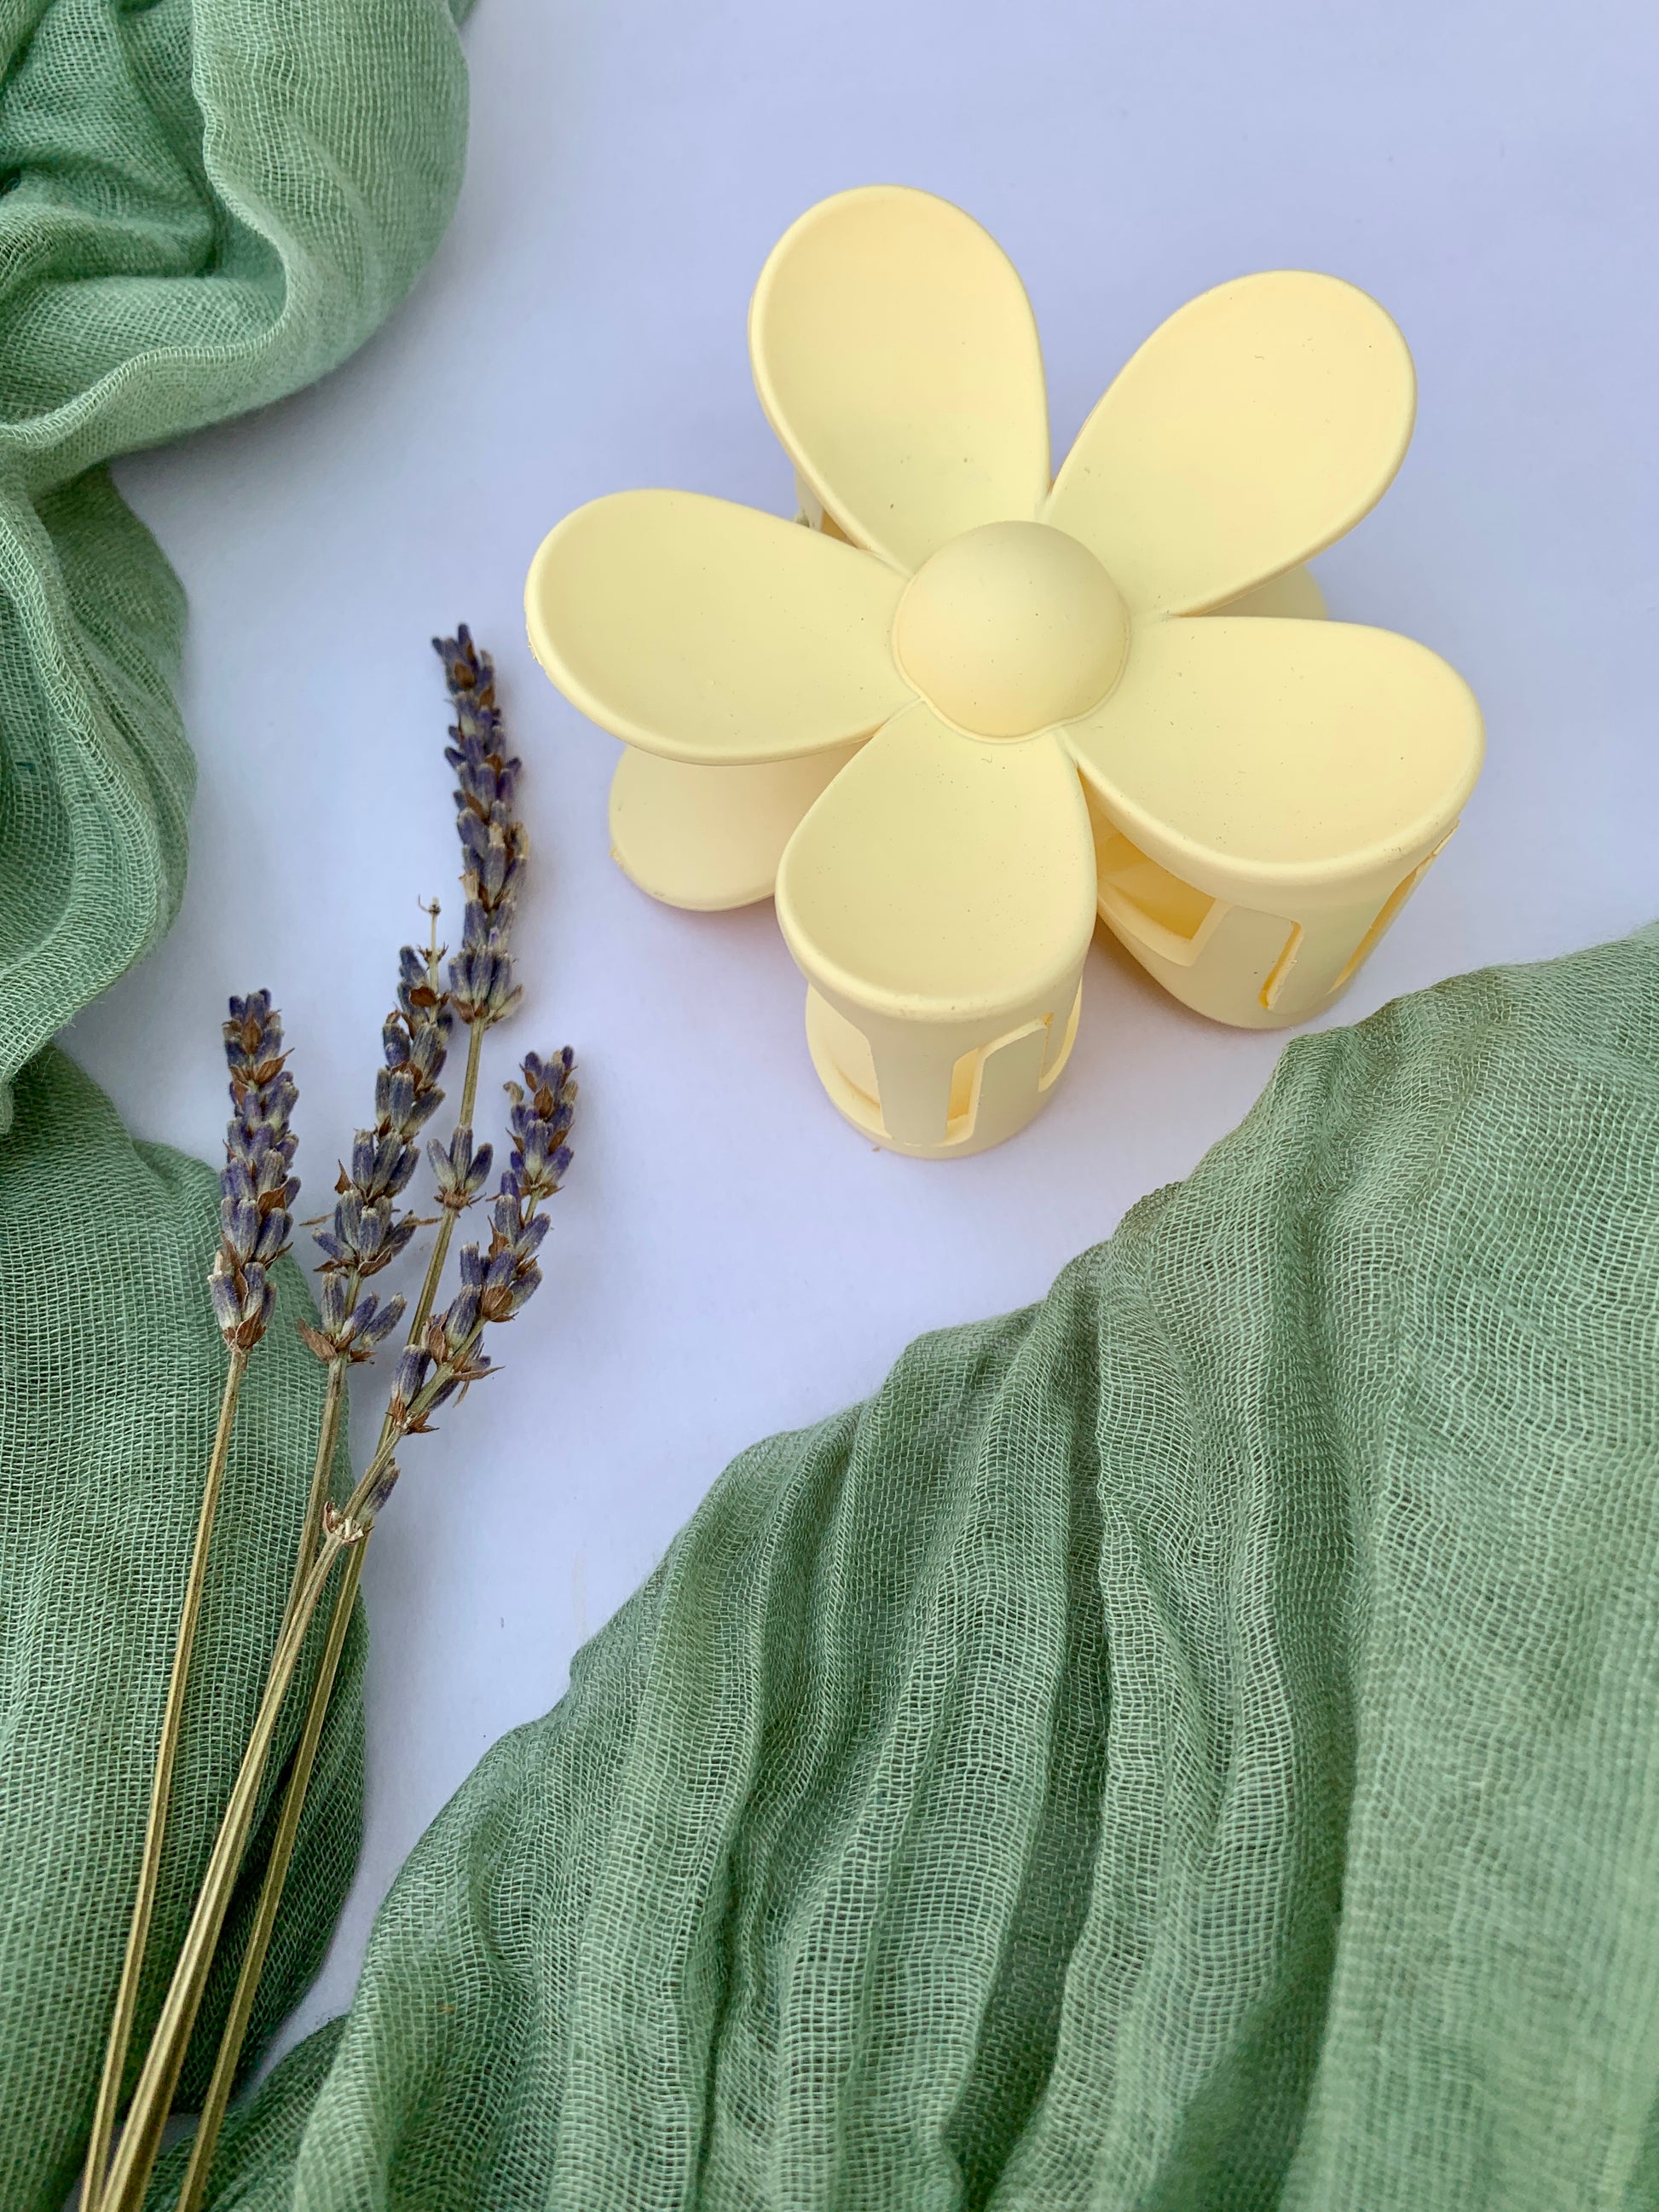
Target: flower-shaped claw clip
x=969 y=705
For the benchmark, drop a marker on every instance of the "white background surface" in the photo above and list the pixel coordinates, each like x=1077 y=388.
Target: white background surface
x=730 y=1258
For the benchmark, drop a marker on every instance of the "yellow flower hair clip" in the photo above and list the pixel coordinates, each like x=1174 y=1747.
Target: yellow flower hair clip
x=968 y=706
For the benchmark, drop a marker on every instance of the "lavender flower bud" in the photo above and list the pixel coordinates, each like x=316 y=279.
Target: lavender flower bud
x=461 y=1317
x=367 y=1233
x=408 y=1382
x=226 y=1298
x=381 y=1489
x=492 y=839
x=257 y=1191
x=459 y=1172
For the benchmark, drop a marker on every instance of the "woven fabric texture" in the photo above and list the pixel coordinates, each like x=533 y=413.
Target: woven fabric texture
x=204 y=203
x=1193 y=1744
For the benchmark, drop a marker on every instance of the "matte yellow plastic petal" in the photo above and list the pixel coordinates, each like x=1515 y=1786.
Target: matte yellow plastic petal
x=1257 y=758
x=1296 y=594
x=709 y=633
x=710 y=838
x=1256 y=426
x=896 y=357
x=942 y=876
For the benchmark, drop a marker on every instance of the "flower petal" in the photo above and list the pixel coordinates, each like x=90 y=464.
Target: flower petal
x=711 y=837
x=1256 y=426
x=1295 y=594
x=896 y=357
x=942 y=875
x=712 y=634
x=1254 y=756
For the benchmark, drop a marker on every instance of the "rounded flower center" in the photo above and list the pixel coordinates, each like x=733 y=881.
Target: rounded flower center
x=1012 y=627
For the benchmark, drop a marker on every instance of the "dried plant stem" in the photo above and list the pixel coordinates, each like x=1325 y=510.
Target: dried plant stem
x=328 y=1437
x=135 y=2160
x=206 y=2139
x=281 y=1850
x=149 y=1869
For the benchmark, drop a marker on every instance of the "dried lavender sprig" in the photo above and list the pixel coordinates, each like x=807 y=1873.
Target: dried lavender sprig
x=369 y=1229
x=493 y=843
x=497 y=1282
x=366 y=1232
x=493 y=850
x=496 y=1285
x=257 y=1187
x=481 y=984
x=257 y=1191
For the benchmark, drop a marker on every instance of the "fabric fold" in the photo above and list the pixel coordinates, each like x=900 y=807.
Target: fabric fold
x=206 y=204
x=1192 y=1743
x=203 y=204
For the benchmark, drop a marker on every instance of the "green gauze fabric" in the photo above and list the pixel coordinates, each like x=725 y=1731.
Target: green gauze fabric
x=1191 y=1745
x=204 y=203
x=109 y=1389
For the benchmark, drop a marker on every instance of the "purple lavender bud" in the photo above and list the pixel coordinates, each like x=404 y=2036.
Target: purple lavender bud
x=394 y=1096
x=386 y=1160
x=397 y=1236
x=226 y=1298
x=412 y=1373
x=374 y=1330
x=270 y=1176
x=272 y=1242
x=384 y=1484
x=258 y=1190
x=429 y=1050
x=239 y=1228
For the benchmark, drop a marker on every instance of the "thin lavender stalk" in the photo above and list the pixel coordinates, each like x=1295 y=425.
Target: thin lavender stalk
x=256 y=1194
x=205 y=2140
x=134 y=2162
x=149 y=1869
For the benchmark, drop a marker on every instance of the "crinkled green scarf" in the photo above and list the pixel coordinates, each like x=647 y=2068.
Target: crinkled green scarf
x=1191 y=1745
x=204 y=203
